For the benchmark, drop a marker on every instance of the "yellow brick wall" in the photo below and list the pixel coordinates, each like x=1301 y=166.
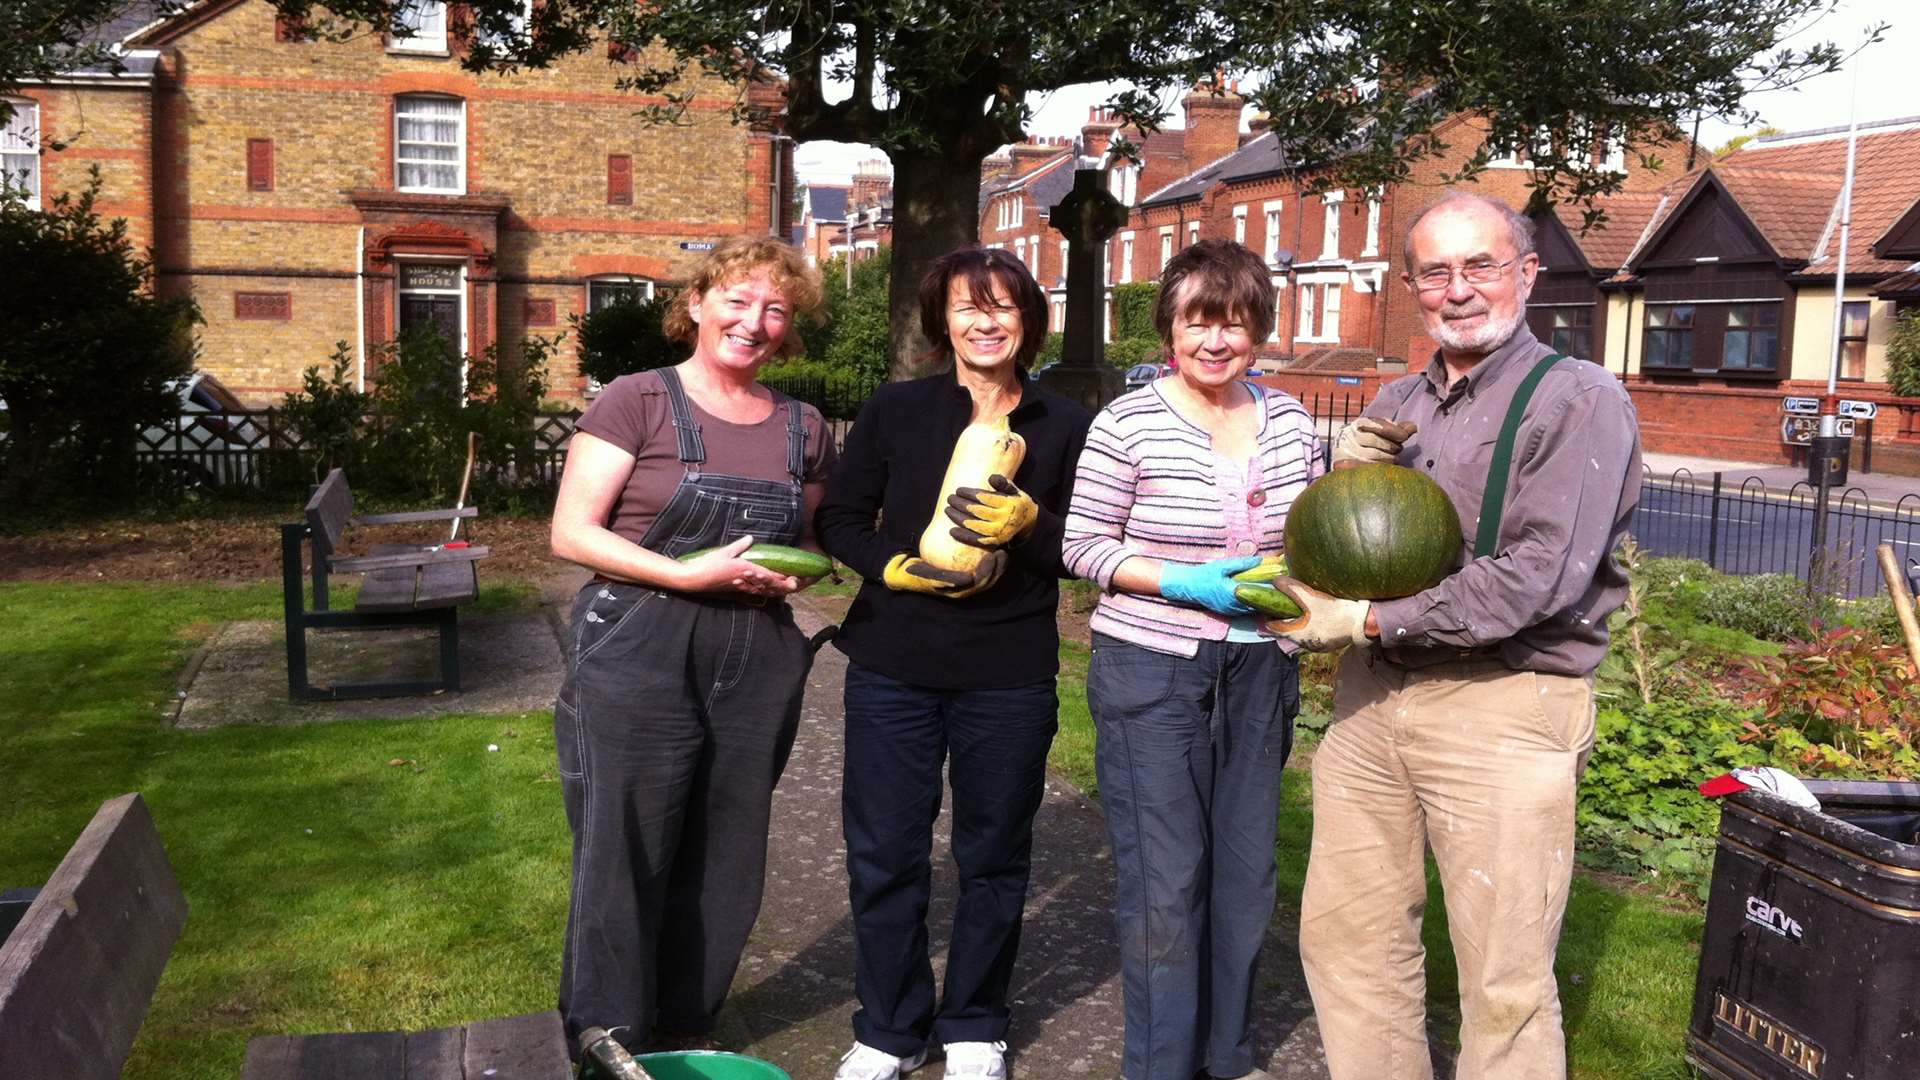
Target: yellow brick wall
x=541 y=139
x=83 y=126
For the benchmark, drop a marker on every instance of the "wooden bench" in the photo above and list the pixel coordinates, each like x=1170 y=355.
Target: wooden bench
x=405 y=585
x=530 y=1047
x=77 y=973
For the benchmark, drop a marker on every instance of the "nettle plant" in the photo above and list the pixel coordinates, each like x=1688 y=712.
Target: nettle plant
x=1842 y=703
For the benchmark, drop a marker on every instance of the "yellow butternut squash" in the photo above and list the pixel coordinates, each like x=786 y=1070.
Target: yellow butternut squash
x=985 y=448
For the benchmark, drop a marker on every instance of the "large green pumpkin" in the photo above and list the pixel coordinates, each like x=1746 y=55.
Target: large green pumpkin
x=1372 y=532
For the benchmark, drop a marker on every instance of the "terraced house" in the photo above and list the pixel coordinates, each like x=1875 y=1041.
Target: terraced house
x=308 y=193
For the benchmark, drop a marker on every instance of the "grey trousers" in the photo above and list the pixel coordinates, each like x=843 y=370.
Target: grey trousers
x=1189 y=759
x=672 y=726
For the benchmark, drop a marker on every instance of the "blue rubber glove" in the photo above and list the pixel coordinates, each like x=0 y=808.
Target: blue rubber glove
x=1209 y=584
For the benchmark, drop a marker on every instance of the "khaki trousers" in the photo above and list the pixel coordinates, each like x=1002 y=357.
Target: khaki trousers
x=1480 y=763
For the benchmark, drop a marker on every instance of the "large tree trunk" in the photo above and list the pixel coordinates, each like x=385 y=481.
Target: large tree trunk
x=936 y=208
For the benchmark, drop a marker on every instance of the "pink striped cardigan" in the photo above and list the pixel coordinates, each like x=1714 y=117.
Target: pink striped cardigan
x=1146 y=485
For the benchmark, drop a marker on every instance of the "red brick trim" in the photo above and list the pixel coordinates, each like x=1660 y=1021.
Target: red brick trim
x=646 y=266
x=268 y=306
x=259 y=164
x=542 y=312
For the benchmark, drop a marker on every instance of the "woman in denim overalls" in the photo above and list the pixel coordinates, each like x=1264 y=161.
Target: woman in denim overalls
x=684 y=679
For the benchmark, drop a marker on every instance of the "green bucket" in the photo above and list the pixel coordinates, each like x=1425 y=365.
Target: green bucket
x=708 y=1065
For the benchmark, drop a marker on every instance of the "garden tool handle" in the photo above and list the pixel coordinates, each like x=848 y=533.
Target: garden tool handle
x=603 y=1058
x=1896 y=579
x=466 y=479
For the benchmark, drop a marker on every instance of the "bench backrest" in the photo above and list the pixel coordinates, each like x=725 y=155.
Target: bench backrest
x=77 y=973
x=328 y=512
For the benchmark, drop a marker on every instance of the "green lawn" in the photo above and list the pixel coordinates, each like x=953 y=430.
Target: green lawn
x=329 y=888
x=395 y=874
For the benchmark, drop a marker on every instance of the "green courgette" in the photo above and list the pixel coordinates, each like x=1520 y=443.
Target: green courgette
x=1271 y=567
x=1268 y=601
x=779 y=558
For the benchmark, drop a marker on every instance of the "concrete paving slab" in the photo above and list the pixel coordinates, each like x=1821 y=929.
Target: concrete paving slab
x=510 y=662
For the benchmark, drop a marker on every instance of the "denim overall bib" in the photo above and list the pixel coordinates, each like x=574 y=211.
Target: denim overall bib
x=672 y=726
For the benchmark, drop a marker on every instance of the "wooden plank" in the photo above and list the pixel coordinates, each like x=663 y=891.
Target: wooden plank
x=78 y=972
x=330 y=507
x=357 y=564
x=408 y=516
x=388 y=590
x=376 y=1055
x=437 y=1054
x=530 y=1047
x=447 y=585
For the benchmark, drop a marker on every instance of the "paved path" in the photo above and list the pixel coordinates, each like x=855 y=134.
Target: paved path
x=794 y=996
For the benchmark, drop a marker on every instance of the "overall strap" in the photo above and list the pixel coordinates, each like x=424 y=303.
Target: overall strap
x=796 y=444
x=1493 y=504
x=686 y=429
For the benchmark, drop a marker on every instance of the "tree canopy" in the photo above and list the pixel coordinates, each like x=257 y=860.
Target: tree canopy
x=41 y=40
x=1349 y=84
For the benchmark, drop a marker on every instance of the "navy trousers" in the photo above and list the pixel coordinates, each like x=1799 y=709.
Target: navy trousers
x=898 y=734
x=1189 y=756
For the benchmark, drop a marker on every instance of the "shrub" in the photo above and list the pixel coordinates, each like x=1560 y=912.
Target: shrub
x=1123 y=353
x=1847 y=696
x=1133 y=310
x=1903 y=354
x=836 y=391
x=1776 y=607
x=858 y=325
x=87 y=350
x=626 y=337
x=1050 y=350
x=327 y=417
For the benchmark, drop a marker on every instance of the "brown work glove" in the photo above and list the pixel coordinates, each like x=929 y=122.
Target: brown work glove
x=1371 y=439
x=993 y=518
x=1327 y=624
x=907 y=572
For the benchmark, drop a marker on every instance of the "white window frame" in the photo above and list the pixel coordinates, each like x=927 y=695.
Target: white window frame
x=1615 y=160
x=1126 y=256
x=1123 y=181
x=428 y=20
x=1373 y=226
x=1033 y=254
x=459 y=162
x=1063 y=260
x=1279 y=306
x=1106 y=262
x=618 y=280
x=1320 y=304
x=20 y=150
x=518 y=21
x=1193 y=233
x=1306 y=314
x=1059 y=308
x=1020 y=250
x=1166 y=245
x=1240 y=224
x=1330 y=205
x=1273 y=209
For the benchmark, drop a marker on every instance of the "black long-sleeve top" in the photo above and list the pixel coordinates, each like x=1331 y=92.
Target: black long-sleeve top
x=881 y=496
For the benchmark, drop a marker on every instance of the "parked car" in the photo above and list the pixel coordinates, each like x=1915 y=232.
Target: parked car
x=212 y=443
x=1140 y=375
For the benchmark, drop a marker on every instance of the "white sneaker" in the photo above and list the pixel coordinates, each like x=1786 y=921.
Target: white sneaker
x=864 y=1062
x=986 y=1060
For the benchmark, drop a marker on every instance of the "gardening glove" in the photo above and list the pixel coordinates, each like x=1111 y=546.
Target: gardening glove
x=1209 y=584
x=1328 y=623
x=994 y=518
x=907 y=572
x=1371 y=439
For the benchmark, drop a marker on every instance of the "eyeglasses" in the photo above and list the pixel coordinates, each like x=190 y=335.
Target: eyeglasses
x=1479 y=272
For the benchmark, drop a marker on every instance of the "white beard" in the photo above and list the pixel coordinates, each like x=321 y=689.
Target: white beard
x=1490 y=335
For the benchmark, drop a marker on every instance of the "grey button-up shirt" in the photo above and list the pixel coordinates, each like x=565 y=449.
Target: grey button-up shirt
x=1542 y=601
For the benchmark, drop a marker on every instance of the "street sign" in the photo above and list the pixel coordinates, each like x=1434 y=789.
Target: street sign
x=1798 y=430
x=1859 y=410
x=1801 y=406
x=1347 y=380
x=696 y=245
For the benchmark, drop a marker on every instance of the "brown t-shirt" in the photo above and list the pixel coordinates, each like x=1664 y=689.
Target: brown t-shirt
x=635 y=414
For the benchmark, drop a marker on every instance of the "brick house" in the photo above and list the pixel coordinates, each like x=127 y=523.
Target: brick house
x=1722 y=304
x=308 y=193
x=821 y=232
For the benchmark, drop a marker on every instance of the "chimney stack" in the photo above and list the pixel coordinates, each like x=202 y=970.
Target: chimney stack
x=872 y=182
x=1213 y=121
x=1097 y=135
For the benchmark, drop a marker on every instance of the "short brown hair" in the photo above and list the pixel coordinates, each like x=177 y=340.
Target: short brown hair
x=1218 y=280
x=981 y=268
x=736 y=259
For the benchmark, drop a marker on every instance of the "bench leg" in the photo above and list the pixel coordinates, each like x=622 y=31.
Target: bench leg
x=291 y=589
x=450 y=650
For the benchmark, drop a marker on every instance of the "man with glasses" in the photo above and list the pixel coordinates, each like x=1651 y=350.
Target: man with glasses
x=1463 y=715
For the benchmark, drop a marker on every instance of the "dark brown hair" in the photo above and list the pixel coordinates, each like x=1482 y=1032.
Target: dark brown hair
x=980 y=268
x=1220 y=281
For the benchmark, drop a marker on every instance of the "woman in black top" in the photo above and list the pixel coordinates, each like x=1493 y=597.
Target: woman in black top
x=941 y=663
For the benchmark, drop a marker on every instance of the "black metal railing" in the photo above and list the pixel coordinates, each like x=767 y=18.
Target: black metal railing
x=1743 y=526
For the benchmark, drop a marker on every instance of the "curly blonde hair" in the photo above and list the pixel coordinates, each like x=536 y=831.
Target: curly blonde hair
x=738 y=258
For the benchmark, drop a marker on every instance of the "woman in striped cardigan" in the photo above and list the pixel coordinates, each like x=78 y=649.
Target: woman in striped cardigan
x=1182 y=484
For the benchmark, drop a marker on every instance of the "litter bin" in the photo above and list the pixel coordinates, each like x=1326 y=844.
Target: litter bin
x=1811 y=962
